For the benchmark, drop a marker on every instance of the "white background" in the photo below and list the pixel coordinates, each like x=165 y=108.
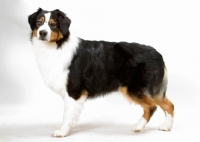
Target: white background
x=29 y=110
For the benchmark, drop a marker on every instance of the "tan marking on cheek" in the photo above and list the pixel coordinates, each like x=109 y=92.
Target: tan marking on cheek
x=34 y=34
x=60 y=36
x=55 y=36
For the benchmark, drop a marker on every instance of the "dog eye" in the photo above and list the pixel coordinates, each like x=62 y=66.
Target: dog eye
x=39 y=23
x=52 y=25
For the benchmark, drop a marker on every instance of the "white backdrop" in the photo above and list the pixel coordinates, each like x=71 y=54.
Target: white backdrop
x=172 y=27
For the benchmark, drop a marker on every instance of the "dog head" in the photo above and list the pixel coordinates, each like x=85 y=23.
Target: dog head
x=49 y=26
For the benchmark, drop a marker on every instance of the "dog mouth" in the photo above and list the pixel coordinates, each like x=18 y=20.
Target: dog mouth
x=43 y=38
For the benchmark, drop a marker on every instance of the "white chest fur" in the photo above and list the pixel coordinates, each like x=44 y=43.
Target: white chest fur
x=53 y=63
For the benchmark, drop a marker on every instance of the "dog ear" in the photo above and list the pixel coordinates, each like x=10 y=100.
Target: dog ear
x=64 y=22
x=32 y=18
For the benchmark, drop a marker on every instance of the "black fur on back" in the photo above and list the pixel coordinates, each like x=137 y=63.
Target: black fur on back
x=101 y=67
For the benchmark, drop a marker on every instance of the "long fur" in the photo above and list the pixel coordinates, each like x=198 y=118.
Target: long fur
x=79 y=69
x=101 y=67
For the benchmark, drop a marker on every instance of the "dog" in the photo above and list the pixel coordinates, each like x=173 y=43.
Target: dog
x=79 y=69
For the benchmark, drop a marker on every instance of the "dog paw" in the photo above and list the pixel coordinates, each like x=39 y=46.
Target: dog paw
x=140 y=125
x=164 y=127
x=60 y=133
x=136 y=129
x=168 y=123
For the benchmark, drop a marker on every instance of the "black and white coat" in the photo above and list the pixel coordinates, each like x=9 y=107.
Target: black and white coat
x=78 y=70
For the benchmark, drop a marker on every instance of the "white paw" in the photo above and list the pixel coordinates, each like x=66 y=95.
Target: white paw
x=165 y=127
x=168 y=123
x=140 y=125
x=60 y=133
x=137 y=128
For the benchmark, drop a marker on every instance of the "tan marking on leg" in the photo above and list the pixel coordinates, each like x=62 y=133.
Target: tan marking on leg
x=145 y=102
x=168 y=109
x=84 y=93
x=146 y=114
x=149 y=107
x=166 y=105
x=124 y=92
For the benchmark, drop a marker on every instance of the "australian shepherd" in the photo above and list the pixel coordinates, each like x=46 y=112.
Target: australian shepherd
x=79 y=69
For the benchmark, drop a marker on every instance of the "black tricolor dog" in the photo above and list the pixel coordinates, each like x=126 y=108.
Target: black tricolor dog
x=79 y=69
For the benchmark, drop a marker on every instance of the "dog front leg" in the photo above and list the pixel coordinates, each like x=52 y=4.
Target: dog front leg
x=72 y=112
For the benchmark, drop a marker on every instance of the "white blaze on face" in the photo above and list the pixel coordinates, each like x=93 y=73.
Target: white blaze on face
x=45 y=27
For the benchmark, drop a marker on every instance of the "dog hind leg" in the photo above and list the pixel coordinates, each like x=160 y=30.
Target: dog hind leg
x=168 y=108
x=146 y=103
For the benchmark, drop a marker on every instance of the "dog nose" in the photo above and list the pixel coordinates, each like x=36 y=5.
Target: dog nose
x=43 y=33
